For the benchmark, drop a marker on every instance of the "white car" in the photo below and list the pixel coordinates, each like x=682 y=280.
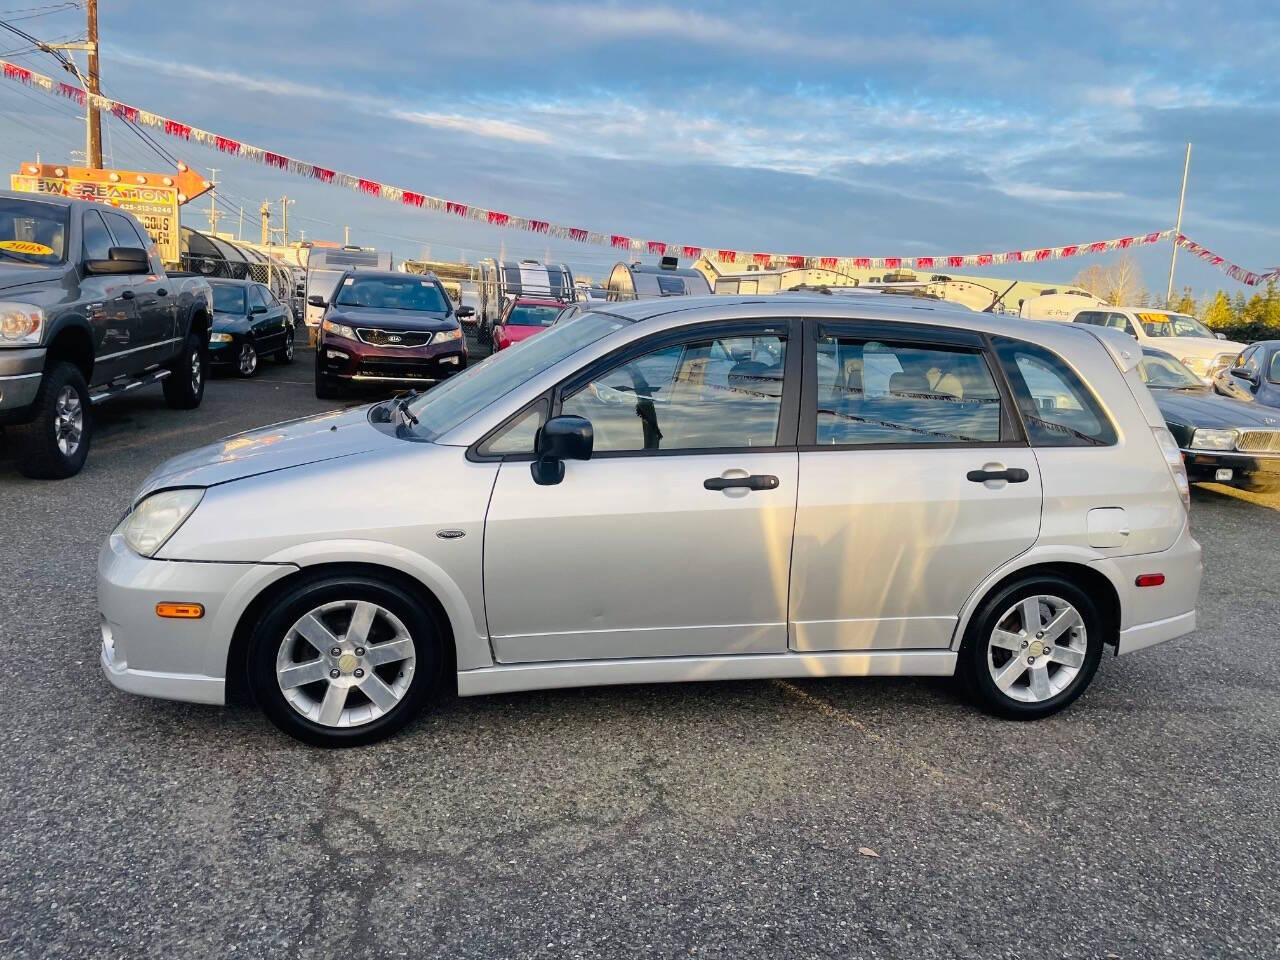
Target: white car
x=1205 y=352
x=672 y=490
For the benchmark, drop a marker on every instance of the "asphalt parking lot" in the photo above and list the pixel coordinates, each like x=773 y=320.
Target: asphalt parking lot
x=718 y=820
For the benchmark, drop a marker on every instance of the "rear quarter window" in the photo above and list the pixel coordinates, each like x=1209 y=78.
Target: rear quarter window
x=1057 y=407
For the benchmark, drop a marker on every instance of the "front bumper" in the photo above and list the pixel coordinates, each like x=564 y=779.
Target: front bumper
x=360 y=362
x=172 y=659
x=1247 y=469
x=20 y=374
x=226 y=354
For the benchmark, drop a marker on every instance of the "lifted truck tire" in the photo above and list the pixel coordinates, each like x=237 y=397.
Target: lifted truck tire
x=184 y=388
x=54 y=444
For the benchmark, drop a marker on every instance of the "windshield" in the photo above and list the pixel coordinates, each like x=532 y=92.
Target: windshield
x=444 y=407
x=32 y=232
x=1173 y=325
x=392 y=293
x=227 y=299
x=322 y=283
x=527 y=315
x=1162 y=372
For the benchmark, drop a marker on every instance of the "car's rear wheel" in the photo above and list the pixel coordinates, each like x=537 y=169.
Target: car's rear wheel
x=285 y=353
x=1032 y=648
x=344 y=660
x=55 y=443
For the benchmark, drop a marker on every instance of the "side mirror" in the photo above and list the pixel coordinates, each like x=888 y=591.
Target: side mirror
x=121 y=260
x=1221 y=336
x=1245 y=375
x=258 y=308
x=317 y=301
x=560 y=439
x=465 y=312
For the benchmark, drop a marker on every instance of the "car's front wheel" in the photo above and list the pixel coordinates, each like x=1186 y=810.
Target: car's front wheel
x=247 y=360
x=184 y=387
x=344 y=660
x=1032 y=648
x=55 y=443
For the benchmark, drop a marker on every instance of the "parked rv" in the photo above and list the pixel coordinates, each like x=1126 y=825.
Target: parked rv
x=502 y=281
x=640 y=281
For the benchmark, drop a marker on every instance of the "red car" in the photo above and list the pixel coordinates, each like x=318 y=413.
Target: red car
x=524 y=317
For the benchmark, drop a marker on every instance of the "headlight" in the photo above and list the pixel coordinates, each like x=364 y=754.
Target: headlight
x=444 y=336
x=339 y=329
x=1198 y=365
x=20 y=322
x=1214 y=440
x=220 y=338
x=158 y=518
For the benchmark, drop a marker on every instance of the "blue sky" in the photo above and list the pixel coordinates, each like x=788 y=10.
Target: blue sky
x=872 y=130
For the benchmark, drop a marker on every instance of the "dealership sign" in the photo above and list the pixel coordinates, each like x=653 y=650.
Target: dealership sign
x=151 y=197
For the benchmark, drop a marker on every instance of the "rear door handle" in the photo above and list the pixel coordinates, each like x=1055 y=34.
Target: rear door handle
x=757 y=481
x=1012 y=474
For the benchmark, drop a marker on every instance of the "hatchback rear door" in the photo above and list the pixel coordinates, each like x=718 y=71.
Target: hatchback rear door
x=916 y=482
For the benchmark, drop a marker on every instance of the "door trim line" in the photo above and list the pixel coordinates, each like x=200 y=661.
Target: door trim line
x=145 y=346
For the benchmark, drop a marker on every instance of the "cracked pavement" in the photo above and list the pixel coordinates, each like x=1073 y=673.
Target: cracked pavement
x=699 y=820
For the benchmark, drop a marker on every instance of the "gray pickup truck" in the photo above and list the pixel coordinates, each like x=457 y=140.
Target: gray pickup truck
x=87 y=313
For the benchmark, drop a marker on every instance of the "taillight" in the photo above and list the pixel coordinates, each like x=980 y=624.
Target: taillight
x=1173 y=457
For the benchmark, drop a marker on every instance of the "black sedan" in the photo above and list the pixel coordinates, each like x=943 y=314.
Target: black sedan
x=1223 y=440
x=1254 y=377
x=249 y=323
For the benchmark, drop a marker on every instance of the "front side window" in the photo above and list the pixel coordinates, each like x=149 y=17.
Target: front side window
x=97 y=240
x=465 y=394
x=517 y=437
x=1056 y=406
x=123 y=230
x=392 y=293
x=1273 y=368
x=718 y=393
x=872 y=392
x=257 y=296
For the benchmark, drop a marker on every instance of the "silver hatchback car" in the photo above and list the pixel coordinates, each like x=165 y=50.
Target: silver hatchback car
x=669 y=490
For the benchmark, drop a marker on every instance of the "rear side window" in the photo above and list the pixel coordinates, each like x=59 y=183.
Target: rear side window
x=1056 y=406
x=875 y=393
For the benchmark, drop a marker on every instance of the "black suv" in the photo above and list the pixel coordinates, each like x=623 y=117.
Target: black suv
x=86 y=313
x=388 y=329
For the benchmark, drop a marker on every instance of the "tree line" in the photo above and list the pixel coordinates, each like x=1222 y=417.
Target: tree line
x=1240 y=318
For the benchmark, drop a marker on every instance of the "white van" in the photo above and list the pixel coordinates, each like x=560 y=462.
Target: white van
x=1180 y=334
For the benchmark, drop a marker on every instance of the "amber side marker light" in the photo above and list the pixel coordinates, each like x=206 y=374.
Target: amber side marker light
x=180 y=611
x=1149 y=580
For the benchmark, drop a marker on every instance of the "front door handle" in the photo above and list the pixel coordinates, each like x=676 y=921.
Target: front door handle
x=757 y=481
x=1012 y=474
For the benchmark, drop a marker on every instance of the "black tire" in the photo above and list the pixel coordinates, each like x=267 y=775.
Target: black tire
x=285 y=353
x=38 y=452
x=973 y=668
x=184 y=387
x=272 y=631
x=327 y=388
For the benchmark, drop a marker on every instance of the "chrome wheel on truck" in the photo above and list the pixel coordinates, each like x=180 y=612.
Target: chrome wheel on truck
x=68 y=422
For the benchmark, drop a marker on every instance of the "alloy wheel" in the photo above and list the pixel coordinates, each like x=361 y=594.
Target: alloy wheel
x=1037 y=648
x=68 y=420
x=248 y=359
x=346 y=663
x=288 y=345
x=197 y=371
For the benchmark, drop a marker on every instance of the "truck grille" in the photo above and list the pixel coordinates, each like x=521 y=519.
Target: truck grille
x=393 y=338
x=1259 y=441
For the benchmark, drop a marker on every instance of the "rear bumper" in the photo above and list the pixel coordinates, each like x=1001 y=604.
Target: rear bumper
x=1151 y=615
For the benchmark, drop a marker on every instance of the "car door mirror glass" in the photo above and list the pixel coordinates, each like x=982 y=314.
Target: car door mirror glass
x=560 y=439
x=258 y=308
x=316 y=300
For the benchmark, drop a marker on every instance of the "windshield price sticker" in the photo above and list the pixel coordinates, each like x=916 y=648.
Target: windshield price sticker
x=26 y=246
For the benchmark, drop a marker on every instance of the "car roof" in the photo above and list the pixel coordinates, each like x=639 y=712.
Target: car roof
x=48 y=198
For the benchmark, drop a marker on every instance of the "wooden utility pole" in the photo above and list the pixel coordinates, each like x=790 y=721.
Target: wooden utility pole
x=93 y=118
x=1182 y=198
